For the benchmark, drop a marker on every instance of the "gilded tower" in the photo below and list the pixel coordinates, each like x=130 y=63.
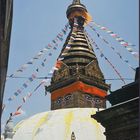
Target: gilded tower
x=78 y=81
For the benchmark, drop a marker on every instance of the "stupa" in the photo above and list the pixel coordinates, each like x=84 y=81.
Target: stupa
x=77 y=89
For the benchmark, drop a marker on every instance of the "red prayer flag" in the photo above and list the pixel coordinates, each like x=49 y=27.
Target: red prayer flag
x=16 y=113
x=58 y=64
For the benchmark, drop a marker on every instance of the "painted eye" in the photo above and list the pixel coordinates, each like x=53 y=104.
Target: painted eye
x=67 y=97
x=59 y=100
x=88 y=97
x=97 y=100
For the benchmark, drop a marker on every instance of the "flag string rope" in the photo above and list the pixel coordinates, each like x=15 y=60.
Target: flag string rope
x=108 y=44
x=24 y=99
x=118 y=39
x=30 y=93
x=58 y=38
x=102 y=55
x=51 y=77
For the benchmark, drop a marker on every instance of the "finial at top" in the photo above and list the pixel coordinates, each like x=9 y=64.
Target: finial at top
x=76 y=1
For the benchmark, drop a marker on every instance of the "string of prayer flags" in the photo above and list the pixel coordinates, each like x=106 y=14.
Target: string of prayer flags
x=121 y=41
x=19 y=110
x=31 y=79
x=26 y=97
x=108 y=44
x=59 y=37
x=24 y=85
x=102 y=55
x=115 y=69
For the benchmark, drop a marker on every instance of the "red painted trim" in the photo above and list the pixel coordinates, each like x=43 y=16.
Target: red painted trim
x=78 y=86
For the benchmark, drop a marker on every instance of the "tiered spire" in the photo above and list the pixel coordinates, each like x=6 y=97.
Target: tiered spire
x=78 y=82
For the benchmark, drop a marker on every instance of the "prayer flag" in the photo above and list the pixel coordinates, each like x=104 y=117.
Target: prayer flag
x=31 y=79
x=50 y=54
x=126 y=44
x=49 y=45
x=39 y=54
x=126 y=61
x=67 y=47
x=11 y=75
x=54 y=48
x=24 y=66
x=19 y=91
x=16 y=113
x=16 y=94
x=10 y=99
x=58 y=64
x=98 y=35
x=60 y=58
x=36 y=57
x=60 y=34
x=33 y=76
x=103 y=28
x=113 y=35
x=60 y=38
x=55 y=68
x=122 y=42
x=25 y=85
x=24 y=99
x=29 y=94
x=30 y=62
x=63 y=31
x=45 y=49
x=42 y=64
x=135 y=54
x=37 y=69
x=44 y=59
x=109 y=32
x=19 y=70
x=19 y=108
x=3 y=107
x=102 y=55
x=54 y=41
x=130 y=49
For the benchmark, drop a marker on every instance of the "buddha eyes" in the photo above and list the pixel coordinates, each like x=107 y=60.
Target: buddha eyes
x=66 y=98
x=59 y=100
x=90 y=98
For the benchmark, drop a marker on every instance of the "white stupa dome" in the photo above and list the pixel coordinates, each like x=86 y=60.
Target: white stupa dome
x=59 y=125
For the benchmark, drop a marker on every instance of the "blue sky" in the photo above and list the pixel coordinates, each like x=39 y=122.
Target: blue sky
x=37 y=22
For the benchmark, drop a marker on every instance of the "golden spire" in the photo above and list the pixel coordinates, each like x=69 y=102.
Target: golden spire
x=76 y=1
